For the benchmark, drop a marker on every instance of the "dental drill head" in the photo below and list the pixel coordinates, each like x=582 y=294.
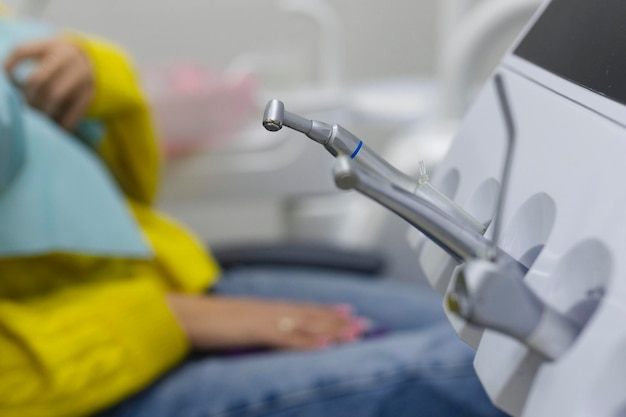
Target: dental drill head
x=275 y=117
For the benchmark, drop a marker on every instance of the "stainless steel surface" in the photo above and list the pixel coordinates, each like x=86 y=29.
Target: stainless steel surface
x=511 y=131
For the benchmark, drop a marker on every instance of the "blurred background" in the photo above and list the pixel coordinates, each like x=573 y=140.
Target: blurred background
x=398 y=74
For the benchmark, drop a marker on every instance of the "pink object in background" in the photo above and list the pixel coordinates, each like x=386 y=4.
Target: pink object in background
x=195 y=107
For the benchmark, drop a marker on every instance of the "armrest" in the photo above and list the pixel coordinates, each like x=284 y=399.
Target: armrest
x=303 y=254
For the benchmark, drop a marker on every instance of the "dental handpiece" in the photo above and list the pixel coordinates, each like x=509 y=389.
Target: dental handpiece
x=491 y=294
x=494 y=295
x=339 y=141
x=446 y=231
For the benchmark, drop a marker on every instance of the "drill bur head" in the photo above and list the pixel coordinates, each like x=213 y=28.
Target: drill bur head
x=274 y=115
x=272 y=125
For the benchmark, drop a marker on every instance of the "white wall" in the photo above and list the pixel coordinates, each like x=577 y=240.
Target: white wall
x=394 y=37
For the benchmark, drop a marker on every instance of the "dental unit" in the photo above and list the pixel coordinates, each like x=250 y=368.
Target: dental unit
x=339 y=141
x=488 y=290
x=541 y=298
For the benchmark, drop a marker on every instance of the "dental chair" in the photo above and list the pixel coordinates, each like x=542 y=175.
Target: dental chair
x=540 y=293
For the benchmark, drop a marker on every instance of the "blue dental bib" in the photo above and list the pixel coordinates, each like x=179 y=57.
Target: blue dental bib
x=55 y=193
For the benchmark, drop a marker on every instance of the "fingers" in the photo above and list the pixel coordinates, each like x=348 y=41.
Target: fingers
x=61 y=85
x=68 y=98
x=31 y=51
x=48 y=86
x=223 y=322
x=318 y=327
x=328 y=323
x=75 y=113
x=301 y=342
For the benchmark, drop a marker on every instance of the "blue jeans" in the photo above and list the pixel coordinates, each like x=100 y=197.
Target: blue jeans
x=414 y=365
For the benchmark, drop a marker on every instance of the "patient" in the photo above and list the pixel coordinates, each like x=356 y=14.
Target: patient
x=103 y=315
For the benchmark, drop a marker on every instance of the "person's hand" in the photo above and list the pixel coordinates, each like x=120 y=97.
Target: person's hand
x=62 y=83
x=221 y=323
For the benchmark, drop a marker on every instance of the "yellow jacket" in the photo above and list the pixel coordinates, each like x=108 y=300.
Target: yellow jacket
x=79 y=333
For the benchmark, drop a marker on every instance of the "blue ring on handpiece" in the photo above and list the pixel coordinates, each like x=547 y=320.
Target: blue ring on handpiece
x=356 y=151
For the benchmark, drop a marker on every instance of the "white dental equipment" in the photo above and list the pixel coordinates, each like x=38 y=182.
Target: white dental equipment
x=565 y=82
x=549 y=335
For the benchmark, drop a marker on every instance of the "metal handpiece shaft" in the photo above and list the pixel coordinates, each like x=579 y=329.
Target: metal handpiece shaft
x=336 y=139
x=458 y=241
